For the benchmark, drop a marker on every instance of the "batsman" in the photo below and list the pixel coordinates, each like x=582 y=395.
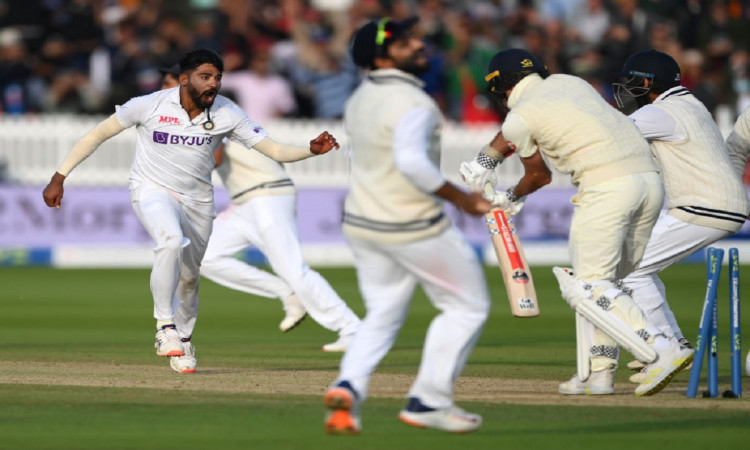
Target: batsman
x=562 y=120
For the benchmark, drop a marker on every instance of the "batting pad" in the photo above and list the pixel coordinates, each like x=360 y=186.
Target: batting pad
x=574 y=293
x=617 y=330
x=584 y=332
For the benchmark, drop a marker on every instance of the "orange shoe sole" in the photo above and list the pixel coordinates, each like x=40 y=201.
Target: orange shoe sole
x=341 y=422
x=411 y=423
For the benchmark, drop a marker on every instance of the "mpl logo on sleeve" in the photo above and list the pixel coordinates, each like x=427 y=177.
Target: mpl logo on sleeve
x=161 y=137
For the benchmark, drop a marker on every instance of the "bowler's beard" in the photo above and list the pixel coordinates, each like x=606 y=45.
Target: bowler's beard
x=198 y=97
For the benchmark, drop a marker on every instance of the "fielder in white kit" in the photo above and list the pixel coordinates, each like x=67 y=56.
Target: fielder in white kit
x=738 y=143
x=395 y=224
x=618 y=201
x=263 y=214
x=706 y=200
x=177 y=131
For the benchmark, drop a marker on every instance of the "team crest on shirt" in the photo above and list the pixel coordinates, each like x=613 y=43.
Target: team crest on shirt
x=169 y=120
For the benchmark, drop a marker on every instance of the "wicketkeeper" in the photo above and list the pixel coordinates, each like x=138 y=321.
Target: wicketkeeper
x=706 y=200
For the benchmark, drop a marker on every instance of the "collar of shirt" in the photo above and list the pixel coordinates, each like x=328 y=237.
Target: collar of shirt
x=677 y=90
x=525 y=83
x=394 y=75
x=174 y=97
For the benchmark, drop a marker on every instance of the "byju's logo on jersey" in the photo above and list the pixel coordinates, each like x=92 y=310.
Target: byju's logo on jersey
x=161 y=137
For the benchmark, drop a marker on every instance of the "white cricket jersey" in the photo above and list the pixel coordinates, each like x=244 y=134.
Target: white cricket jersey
x=738 y=143
x=701 y=184
x=577 y=131
x=249 y=174
x=175 y=152
x=386 y=202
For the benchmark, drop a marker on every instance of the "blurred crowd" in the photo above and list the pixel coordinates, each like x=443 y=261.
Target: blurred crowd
x=289 y=58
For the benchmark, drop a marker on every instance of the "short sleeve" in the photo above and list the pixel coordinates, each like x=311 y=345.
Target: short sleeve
x=247 y=131
x=655 y=123
x=517 y=133
x=132 y=112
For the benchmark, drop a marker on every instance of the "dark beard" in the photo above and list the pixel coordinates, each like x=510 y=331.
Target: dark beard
x=197 y=97
x=414 y=68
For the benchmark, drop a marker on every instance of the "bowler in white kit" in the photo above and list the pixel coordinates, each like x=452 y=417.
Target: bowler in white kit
x=177 y=131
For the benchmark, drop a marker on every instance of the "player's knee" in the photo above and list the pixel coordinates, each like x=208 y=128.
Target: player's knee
x=300 y=279
x=482 y=312
x=606 y=288
x=476 y=311
x=171 y=243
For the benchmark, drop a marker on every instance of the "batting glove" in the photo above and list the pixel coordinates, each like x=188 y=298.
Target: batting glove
x=479 y=171
x=506 y=201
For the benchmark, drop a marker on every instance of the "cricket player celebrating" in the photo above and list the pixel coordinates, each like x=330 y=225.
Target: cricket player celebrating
x=618 y=201
x=706 y=200
x=395 y=224
x=177 y=131
x=269 y=224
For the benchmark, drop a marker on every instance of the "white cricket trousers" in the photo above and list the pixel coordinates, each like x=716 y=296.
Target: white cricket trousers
x=269 y=223
x=611 y=224
x=449 y=272
x=672 y=240
x=180 y=230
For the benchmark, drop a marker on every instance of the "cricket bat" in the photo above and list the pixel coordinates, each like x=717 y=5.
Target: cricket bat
x=519 y=284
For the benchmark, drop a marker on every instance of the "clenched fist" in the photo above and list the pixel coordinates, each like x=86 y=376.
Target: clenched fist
x=324 y=143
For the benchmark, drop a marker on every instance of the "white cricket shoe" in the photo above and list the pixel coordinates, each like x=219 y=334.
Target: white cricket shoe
x=294 y=313
x=659 y=373
x=340 y=345
x=452 y=419
x=638 y=366
x=601 y=382
x=168 y=342
x=187 y=362
x=747 y=364
x=343 y=410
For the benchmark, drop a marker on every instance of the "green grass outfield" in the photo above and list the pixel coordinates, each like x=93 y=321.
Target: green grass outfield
x=78 y=371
